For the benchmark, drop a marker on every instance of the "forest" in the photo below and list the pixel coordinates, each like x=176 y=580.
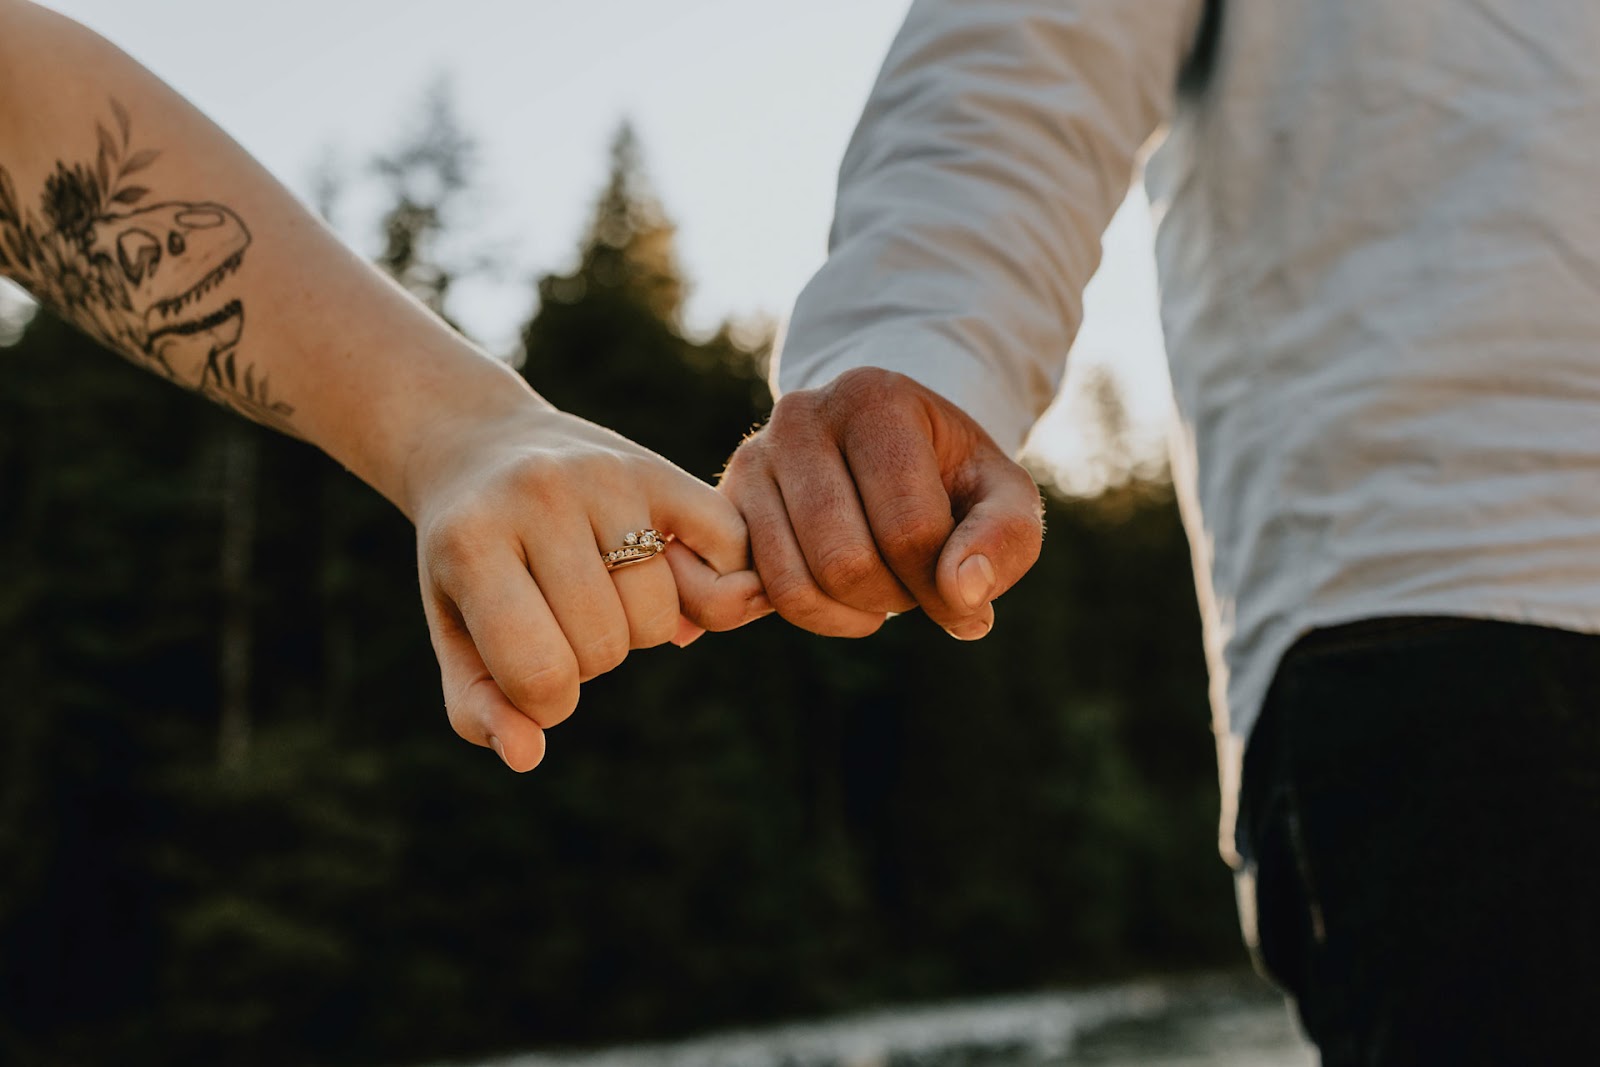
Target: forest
x=235 y=826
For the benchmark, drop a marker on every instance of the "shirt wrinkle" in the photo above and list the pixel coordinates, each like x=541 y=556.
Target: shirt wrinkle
x=1378 y=238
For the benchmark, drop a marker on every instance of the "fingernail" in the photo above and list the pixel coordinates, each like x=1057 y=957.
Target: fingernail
x=972 y=631
x=975 y=580
x=756 y=607
x=499 y=749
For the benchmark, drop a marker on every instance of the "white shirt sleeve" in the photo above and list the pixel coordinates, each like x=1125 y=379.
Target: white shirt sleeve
x=999 y=140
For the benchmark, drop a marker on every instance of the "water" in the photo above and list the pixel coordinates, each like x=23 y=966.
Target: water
x=1215 y=1021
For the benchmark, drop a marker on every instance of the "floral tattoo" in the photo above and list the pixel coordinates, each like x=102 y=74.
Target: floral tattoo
x=152 y=282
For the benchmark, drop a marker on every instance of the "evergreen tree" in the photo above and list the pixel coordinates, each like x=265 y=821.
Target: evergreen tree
x=425 y=175
x=607 y=341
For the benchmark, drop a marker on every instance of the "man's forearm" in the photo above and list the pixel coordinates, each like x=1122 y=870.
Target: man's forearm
x=128 y=212
x=998 y=142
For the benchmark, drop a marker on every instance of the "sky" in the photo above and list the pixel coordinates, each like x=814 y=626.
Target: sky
x=744 y=108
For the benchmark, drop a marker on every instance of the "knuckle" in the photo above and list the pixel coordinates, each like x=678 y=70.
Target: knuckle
x=911 y=535
x=599 y=655
x=654 y=627
x=548 y=692
x=726 y=519
x=1023 y=531
x=797 y=600
x=610 y=472
x=455 y=542
x=848 y=568
x=1017 y=539
x=786 y=406
x=551 y=485
x=867 y=389
x=866 y=382
x=536 y=481
x=793 y=412
x=725 y=529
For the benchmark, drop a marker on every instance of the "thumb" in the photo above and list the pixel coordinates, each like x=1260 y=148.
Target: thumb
x=997 y=538
x=477 y=708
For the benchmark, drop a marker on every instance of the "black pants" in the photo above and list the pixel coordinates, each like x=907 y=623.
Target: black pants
x=1420 y=821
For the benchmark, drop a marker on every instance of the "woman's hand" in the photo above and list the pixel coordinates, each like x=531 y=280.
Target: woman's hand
x=513 y=512
x=514 y=502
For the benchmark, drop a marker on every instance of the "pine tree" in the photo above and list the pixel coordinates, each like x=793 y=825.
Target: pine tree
x=607 y=339
x=630 y=245
x=426 y=175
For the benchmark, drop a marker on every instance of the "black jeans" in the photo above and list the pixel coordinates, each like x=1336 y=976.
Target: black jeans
x=1420 y=822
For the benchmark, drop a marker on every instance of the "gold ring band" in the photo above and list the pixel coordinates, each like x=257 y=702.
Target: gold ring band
x=638 y=547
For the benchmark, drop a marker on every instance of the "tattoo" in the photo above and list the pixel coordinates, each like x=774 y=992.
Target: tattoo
x=151 y=282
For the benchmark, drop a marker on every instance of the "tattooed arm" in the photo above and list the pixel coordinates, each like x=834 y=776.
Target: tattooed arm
x=127 y=212
x=130 y=214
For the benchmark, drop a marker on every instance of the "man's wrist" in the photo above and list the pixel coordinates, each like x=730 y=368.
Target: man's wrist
x=948 y=369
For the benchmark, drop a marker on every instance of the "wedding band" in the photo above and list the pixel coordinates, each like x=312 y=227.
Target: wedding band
x=637 y=547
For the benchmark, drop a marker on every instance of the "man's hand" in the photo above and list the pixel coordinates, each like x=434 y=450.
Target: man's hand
x=874 y=495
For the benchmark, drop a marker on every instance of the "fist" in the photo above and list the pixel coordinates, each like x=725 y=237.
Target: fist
x=873 y=495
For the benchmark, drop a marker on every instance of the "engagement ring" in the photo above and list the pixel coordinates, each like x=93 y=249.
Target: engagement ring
x=637 y=547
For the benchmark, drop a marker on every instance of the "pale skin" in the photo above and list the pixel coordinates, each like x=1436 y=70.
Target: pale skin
x=136 y=218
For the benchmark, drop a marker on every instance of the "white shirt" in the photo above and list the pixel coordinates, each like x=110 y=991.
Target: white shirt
x=1379 y=248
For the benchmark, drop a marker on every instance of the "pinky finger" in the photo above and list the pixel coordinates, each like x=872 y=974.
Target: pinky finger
x=479 y=712
x=688 y=632
x=712 y=601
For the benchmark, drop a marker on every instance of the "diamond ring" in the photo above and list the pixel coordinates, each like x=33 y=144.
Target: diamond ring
x=637 y=547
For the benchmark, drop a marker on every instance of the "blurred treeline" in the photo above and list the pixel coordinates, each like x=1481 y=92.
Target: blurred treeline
x=235 y=827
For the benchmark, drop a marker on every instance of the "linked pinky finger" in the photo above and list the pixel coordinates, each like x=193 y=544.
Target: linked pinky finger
x=688 y=632
x=712 y=601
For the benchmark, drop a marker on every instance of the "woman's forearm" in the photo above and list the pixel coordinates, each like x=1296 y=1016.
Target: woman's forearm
x=132 y=215
x=128 y=212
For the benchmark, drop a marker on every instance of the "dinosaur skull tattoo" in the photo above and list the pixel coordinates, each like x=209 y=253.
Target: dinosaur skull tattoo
x=175 y=260
x=155 y=283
